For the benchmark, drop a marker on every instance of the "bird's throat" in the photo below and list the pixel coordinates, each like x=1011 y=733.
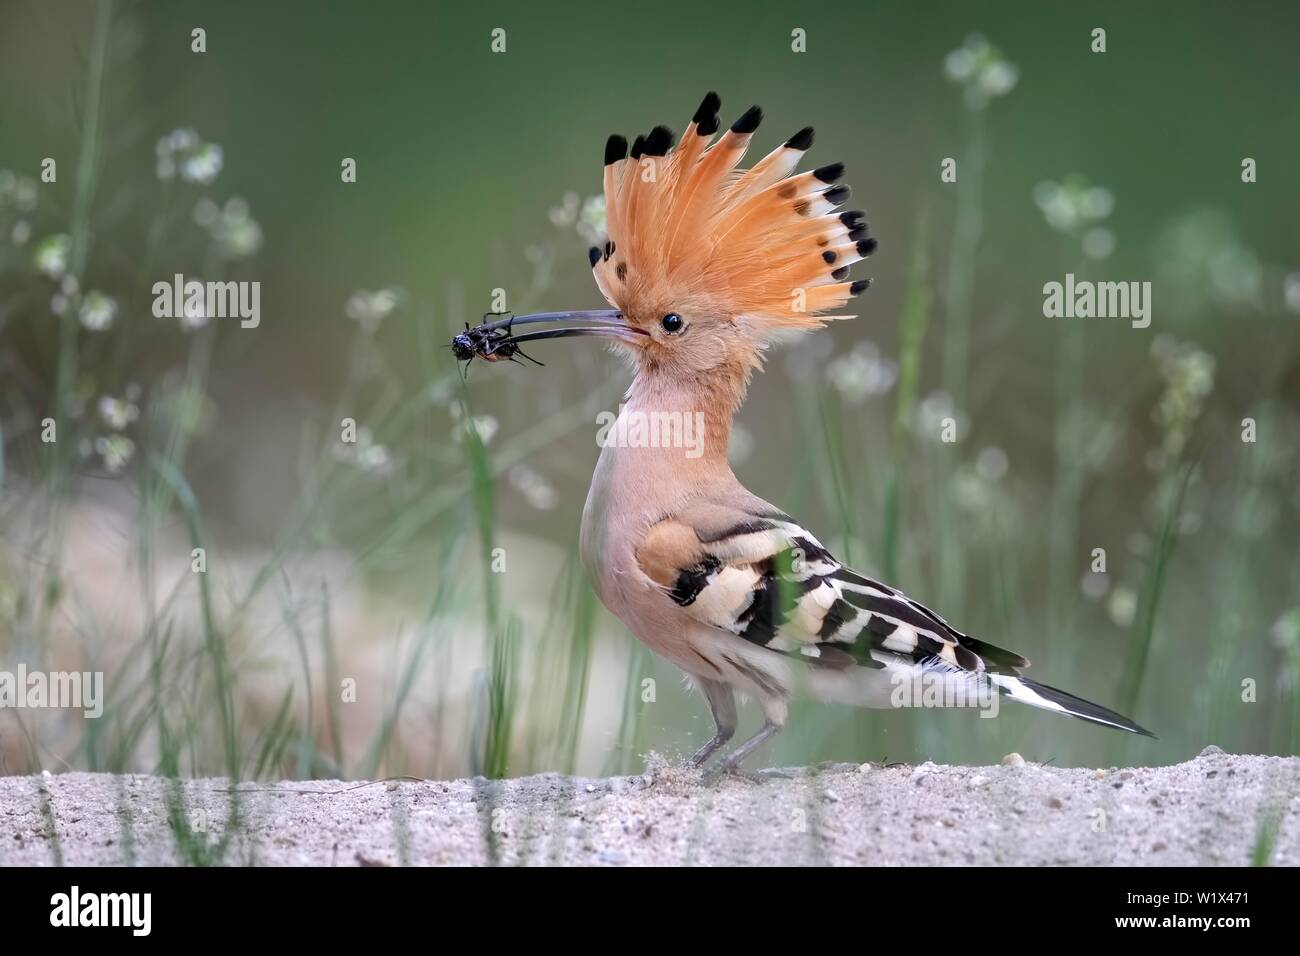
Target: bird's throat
x=665 y=445
x=687 y=421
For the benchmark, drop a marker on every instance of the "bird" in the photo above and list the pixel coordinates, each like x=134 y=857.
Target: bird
x=704 y=266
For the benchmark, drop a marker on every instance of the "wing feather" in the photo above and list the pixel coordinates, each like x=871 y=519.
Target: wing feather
x=767 y=579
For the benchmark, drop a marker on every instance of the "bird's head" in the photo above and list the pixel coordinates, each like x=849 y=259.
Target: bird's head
x=705 y=263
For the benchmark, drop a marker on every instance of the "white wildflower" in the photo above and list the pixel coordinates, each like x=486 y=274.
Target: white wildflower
x=234 y=231
x=97 y=311
x=1073 y=206
x=485 y=426
x=369 y=309
x=117 y=413
x=1286 y=630
x=1291 y=291
x=862 y=373
x=537 y=491
x=933 y=414
x=194 y=313
x=25 y=194
x=591 y=224
x=182 y=152
x=51 y=255
x=115 y=450
x=1094 y=585
x=981 y=70
x=1122 y=606
x=366 y=454
x=566 y=214
x=998 y=79
x=1098 y=243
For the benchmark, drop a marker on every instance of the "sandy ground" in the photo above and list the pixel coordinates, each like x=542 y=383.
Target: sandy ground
x=1206 y=811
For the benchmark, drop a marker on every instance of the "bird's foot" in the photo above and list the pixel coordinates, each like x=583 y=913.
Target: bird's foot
x=762 y=776
x=713 y=777
x=708 y=750
x=731 y=763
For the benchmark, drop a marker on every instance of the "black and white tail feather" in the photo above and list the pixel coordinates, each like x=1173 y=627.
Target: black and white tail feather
x=769 y=581
x=1050 y=698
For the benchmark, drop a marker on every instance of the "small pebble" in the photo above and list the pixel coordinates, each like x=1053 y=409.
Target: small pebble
x=979 y=780
x=1013 y=759
x=921 y=773
x=830 y=796
x=1211 y=751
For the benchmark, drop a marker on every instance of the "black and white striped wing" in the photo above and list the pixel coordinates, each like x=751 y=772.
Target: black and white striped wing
x=770 y=581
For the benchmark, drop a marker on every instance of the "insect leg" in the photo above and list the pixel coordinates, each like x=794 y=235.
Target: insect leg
x=520 y=351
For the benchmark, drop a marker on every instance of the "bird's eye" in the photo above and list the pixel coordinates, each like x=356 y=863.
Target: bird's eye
x=672 y=323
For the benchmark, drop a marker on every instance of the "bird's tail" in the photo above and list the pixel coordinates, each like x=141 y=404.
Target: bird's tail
x=1049 y=698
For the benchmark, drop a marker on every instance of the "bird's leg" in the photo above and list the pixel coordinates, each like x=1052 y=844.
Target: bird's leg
x=722 y=704
x=732 y=761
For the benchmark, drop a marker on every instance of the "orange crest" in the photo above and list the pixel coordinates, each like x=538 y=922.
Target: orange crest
x=687 y=229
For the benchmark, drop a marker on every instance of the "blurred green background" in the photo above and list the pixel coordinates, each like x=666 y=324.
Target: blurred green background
x=475 y=171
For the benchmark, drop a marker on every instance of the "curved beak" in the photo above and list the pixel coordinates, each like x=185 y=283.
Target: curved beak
x=605 y=322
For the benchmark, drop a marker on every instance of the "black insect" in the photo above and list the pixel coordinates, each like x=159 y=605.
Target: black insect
x=490 y=341
x=462 y=345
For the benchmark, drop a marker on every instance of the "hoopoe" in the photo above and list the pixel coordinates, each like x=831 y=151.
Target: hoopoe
x=704 y=265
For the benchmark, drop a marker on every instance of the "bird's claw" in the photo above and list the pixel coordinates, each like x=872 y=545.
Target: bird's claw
x=712 y=777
